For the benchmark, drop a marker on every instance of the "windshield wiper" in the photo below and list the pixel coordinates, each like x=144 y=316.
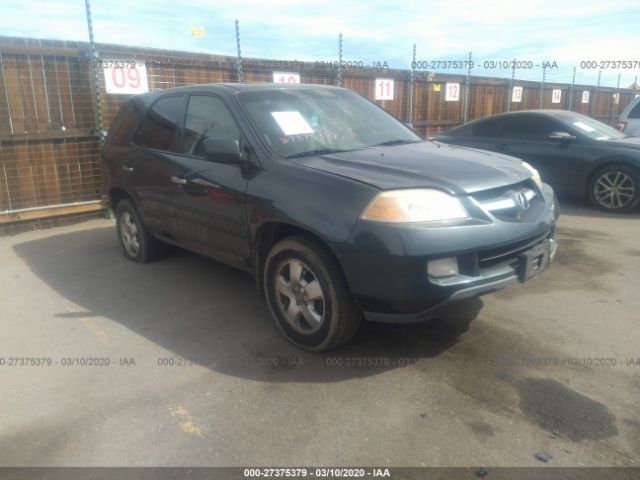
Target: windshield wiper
x=317 y=151
x=395 y=142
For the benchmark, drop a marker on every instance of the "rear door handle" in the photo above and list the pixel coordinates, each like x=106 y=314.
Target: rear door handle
x=127 y=168
x=502 y=146
x=179 y=181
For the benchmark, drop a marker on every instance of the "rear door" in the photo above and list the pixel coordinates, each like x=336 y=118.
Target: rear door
x=210 y=203
x=152 y=165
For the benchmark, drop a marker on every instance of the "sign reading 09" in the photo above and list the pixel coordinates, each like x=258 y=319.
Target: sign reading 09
x=125 y=77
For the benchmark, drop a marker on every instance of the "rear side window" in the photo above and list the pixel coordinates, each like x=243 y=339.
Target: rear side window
x=635 y=111
x=487 y=128
x=161 y=125
x=529 y=127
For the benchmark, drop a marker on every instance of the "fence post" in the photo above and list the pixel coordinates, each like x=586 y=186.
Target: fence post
x=412 y=80
x=595 y=95
x=544 y=77
x=239 y=71
x=511 y=82
x=95 y=77
x=340 y=59
x=573 y=82
x=467 y=86
x=616 y=94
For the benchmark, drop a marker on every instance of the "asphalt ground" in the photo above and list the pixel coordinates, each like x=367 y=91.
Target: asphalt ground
x=104 y=362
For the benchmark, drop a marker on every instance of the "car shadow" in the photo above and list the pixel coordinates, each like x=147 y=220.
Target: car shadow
x=211 y=314
x=581 y=207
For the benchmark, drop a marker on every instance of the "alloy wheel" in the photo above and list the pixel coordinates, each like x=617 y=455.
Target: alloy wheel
x=614 y=190
x=129 y=232
x=300 y=296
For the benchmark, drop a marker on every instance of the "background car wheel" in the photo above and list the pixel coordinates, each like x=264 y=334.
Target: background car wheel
x=138 y=244
x=615 y=188
x=308 y=295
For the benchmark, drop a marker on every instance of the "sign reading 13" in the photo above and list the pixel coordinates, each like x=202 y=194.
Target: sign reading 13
x=384 y=89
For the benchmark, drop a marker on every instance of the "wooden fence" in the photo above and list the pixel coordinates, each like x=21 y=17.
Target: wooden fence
x=49 y=148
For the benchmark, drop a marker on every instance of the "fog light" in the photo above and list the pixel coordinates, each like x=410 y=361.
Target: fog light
x=445 y=267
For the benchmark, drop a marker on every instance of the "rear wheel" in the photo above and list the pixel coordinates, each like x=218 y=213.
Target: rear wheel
x=308 y=296
x=137 y=242
x=615 y=188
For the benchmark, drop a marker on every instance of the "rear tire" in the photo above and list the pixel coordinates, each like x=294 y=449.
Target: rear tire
x=137 y=242
x=615 y=188
x=308 y=295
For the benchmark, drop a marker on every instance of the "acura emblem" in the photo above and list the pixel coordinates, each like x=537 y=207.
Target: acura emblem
x=521 y=200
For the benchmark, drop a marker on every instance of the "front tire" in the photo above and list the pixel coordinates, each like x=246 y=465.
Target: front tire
x=137 y=242
x=615 y=188
x=308 y=296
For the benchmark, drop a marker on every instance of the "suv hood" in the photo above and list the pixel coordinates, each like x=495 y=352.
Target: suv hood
x=457 y=170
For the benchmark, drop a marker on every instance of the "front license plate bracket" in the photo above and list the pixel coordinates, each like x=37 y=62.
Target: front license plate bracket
x=534 y=261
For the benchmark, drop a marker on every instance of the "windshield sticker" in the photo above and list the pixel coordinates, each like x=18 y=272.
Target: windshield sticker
x=584 y=127
x=292 y=123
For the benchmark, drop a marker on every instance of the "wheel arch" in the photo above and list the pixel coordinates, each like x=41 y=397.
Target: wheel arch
x=272 y=232
x=116 y=195
x=609 y=162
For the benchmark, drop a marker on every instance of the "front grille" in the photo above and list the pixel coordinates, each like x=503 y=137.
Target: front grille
x=509 y=253
x=520 y=202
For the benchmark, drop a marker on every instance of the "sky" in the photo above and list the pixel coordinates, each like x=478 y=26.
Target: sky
x=566 y=32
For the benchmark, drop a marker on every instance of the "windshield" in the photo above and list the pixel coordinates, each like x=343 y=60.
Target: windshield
x=303 y=122
x=595 y=129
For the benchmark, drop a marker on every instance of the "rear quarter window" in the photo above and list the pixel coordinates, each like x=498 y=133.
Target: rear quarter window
x=126 y=123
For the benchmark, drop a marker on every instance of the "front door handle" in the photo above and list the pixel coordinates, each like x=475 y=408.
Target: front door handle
x=127 y=168
x=179 y=180
x=502 y=146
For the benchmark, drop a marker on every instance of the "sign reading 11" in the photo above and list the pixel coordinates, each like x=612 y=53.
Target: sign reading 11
x=384 y=89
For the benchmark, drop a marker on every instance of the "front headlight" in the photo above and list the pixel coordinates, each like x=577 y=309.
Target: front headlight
x=535 y=174
x=417 y=205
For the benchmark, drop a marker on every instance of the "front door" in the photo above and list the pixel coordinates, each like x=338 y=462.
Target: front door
x=210 y=204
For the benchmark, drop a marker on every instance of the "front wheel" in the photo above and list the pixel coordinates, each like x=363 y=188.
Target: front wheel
x=308 y=296
x=615 y=188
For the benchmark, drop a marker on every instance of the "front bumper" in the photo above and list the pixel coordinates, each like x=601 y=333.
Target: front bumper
x=386 y=266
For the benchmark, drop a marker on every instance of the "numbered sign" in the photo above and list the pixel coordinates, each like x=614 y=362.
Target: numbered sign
x=585 y=96
x=556 y=95
x=384 y=89
x=286 y=77
x=452 y=92
x=616 y=98
x=516 y=95
x=125 y=77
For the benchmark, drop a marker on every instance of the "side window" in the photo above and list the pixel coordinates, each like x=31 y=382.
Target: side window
x=635 y=111
x=160 y=126
x=529 y=127
x=207 y=118
x=486 y=128
x=126 y=123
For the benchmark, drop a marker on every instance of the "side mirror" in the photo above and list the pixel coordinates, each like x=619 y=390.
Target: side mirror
x=561 y=136
x=221 y=150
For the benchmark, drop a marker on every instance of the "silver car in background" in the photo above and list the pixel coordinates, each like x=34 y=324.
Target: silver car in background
x=629 y=120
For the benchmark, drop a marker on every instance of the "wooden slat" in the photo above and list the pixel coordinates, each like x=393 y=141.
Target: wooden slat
x=49 y=212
